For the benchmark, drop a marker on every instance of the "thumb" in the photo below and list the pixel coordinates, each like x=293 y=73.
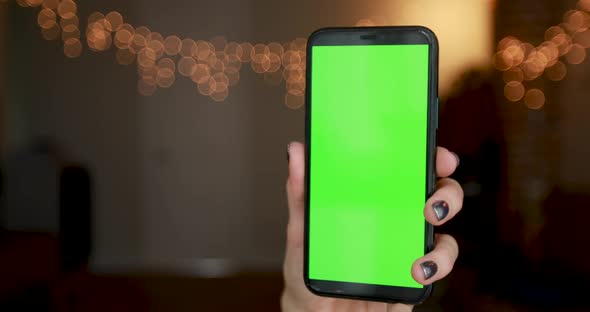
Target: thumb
x=295 y=194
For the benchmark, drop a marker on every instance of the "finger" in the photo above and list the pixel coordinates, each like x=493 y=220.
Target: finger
x=445 y=203
x=446 y=162
x=295 y=192
x=438 y=263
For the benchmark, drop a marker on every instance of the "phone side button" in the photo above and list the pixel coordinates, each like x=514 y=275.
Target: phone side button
x=436 y=113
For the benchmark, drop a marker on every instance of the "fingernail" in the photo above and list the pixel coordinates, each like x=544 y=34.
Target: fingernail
x=429 y=268
x=441 y=209
x=288 y=154
x=457 y=157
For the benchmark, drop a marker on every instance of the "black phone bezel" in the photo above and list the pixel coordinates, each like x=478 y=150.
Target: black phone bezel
x=374 y=36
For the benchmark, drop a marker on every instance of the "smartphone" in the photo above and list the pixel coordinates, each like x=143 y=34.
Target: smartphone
x=371 y=122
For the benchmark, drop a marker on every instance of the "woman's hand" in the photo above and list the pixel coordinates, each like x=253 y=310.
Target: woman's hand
x=444 y=204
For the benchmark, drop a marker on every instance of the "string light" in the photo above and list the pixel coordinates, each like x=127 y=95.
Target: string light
x=214 y=66
x=568 y=40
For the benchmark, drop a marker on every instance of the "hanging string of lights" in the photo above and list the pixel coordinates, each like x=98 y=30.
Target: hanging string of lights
x=215 y=65
x=523 y=62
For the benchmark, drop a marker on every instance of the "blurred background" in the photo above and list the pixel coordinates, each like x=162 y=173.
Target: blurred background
x=143 y=147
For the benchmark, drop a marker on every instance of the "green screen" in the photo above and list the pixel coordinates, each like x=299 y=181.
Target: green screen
x=368 y=163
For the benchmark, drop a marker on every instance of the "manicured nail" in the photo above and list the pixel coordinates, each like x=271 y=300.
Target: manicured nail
x=457 y=157
x=288 y=152
x=429 y=268
x=441 y=209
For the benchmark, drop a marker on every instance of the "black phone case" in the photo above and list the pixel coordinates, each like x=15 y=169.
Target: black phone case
x=373 y=33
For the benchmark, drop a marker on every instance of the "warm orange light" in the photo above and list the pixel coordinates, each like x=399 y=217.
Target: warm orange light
x=248 y=51
x=296 y=87
x=157 y=47
x=201 y=51
x=115 y=20
x=165 y=78
x=583 y=38
x=575 y=20
x=553 y=31
x=186 y=47
x=503 y=60
x=584 y=5
x=233 y=75
x=276 y=48
x=172 y=45
x=146 y=57
x=207 y=86
x=64 y=22
x=234 y=49
x=52 y=32
x=508 y=42
x=143 y=31
x=67 y=8
x=514 y=91
x=556 y=72
x=534 y=99
x=123 y=38
x=233 y=63
x=186 y=66
x=260 y=63
x=51 y=4
x=72 y=47
x=22 y=3
x=220 y=96
x=138 y=42
x=201 y=74
x=46 y=18
x=275 y=62
x=549 y=52
x=34 y=3
x=576 y=55
x=167 y=63
x=563 y=42
x=69 y=32
x=95 y=17
x=97 y=38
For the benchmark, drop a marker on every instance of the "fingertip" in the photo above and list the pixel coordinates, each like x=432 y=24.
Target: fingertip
x=446 y=162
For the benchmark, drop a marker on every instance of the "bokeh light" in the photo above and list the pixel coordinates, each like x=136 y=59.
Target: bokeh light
x=215 y=65
x=514 y=91
x=46 y=18
x=186 y=66
x=186 y=47
x=172 y=45
x=64 y=22
x=67 y=8
x=576 y=55
x=72 y=47
x=115 y=20
x=534 y=99
x=52 y=32
x=556 y=72
x=51 y=4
